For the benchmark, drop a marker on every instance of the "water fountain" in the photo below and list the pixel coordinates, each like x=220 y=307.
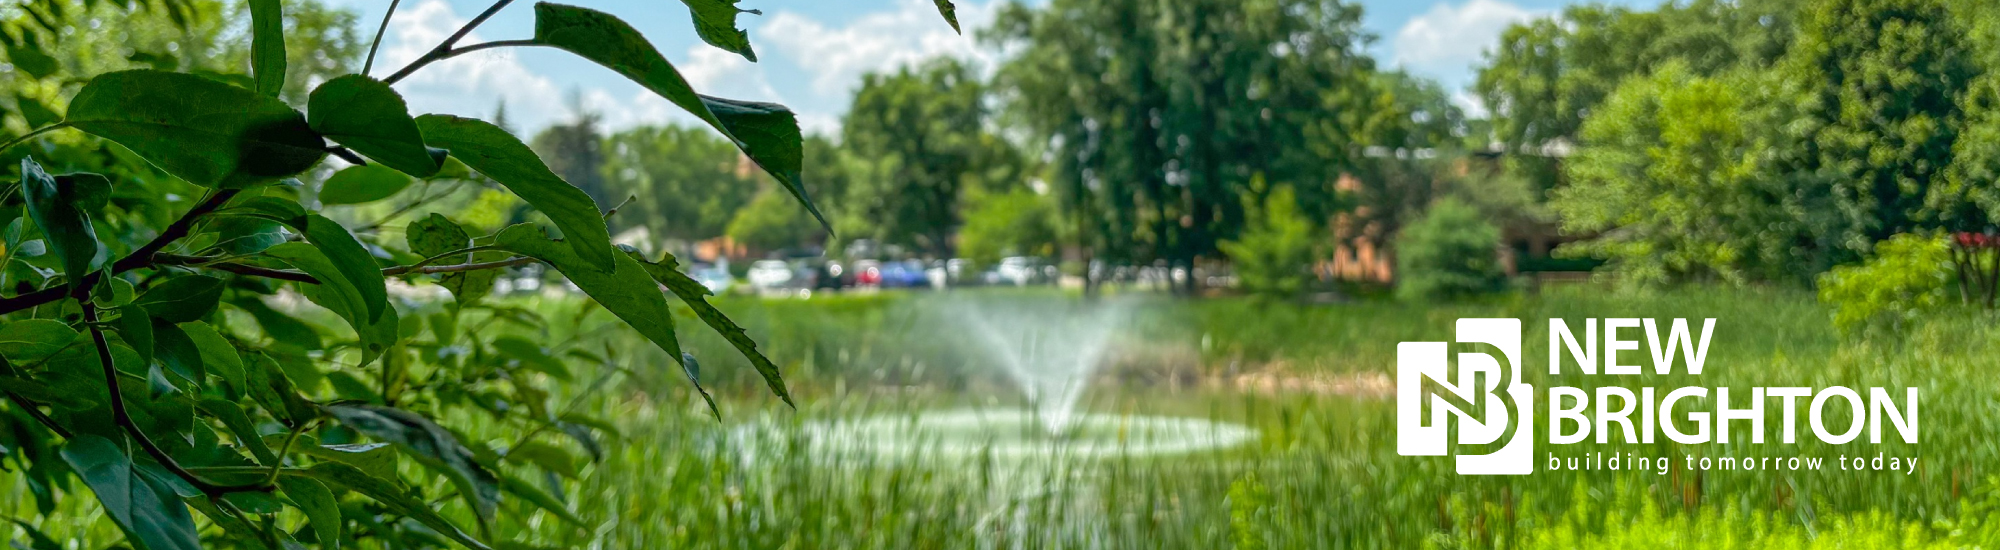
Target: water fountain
x=1050 y=351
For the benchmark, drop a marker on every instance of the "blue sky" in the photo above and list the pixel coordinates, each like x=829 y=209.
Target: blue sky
x=813 y=52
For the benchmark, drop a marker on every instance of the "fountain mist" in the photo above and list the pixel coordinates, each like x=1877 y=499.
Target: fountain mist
x=1049 y=350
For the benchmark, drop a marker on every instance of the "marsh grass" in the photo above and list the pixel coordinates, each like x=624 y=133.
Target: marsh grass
x=1323 y=474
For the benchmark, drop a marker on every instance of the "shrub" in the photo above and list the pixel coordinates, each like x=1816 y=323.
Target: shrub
x=1909 y=275
x=1273 y=258
x=1448 y=253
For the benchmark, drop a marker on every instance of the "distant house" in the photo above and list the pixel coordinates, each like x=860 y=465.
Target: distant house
x=1365 y=252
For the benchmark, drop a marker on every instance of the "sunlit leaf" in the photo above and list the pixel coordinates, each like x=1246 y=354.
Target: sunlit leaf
x=370 y=118
x=267 y=45
x=628 y=292
x=715 y=21
x=768 y=133
x=695 y=295
x=362 y=184
x=200 y=130
x=499 y=155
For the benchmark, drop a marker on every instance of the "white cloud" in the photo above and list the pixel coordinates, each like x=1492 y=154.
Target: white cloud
x=468 y=85
x=720 y=73
x=1448 y=39
x=837 y=57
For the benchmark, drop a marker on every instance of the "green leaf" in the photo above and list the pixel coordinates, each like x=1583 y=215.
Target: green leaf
x=111 y=292
x=337 y=293
x=392 y=496
x=499 y=155
x=436 y=235
x=233 y=417
x=35 y=113
x=628 y=292
x=60 y=211
x=30 y=58
x=246 y=235
x=950 y=14
x=362 y=184
x=147 y=512
x=375 y=459
x=182 y=299
x=267 y=46
x=429 y=444
x=281 y=327
x=769 y=135
x=270 y=387
x=715 y=21
x=352 y=260
x=206 y=132
x=548 y=457
x=30 y=340
x=321 y=510
x=516 y=486
x=531 y=356
x=217 y=356
x=695 y=295
x=371 y=118
x=177 y=352
x=36 y=539
x=136 y=327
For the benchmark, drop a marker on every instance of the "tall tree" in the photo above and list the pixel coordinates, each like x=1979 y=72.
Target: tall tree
x=927 y=127
x=1161 y=112
x=690 y=182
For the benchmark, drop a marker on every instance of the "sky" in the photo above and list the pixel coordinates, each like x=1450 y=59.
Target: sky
x=812 y=53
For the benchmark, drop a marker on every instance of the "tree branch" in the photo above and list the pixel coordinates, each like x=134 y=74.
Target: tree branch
x=377 y=44
x=433 y=269
x=142 y=257
x=443 y=49
x=124 y=418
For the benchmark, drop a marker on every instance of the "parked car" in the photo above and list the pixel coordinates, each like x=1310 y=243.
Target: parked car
x=716 y=278
x=1020 y=271
x=769 y=275
x=904 y=274
x=868 y=273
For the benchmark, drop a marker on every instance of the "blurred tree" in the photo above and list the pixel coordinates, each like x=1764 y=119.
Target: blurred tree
x=1158 y=113
x=926 y=126
x=1881 y=88
x=772 y=221
x=1669 y=177
x=691 y=181
x=1019 y=222
x=574 y=150
x=1548 y=75
x=1451 y=252
x=1273 y=257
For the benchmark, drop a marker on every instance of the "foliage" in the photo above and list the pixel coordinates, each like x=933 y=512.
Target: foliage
x=1019 y=222
x=1155 y=114
x=771 y=221
x=1451 y=252
x=1910 y=275
x=1274 y=256
x=1665 y=182
x=690 y=183
x=189 y=340
x=927 y=125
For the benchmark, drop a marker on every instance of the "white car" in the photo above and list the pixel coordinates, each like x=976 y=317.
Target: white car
x=1017 y=271
x=770 y=275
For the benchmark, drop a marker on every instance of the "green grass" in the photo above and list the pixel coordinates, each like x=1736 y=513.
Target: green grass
x=1324 y=474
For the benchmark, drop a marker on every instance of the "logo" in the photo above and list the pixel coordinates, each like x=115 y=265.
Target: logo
x=1489 y=399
